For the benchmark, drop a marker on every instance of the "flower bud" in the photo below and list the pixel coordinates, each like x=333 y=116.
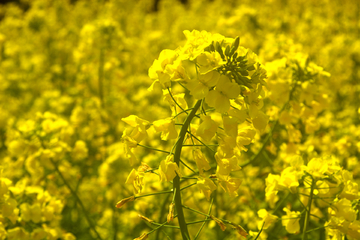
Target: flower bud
x=170 y=216
x=124 y=201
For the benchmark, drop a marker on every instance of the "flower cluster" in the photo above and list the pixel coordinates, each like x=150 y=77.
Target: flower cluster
x=227 y=82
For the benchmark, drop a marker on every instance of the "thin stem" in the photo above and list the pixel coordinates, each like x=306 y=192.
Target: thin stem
x=155 y=193
x=307 y=214
x=280 y=203
x=154 y=149
x=205 y=145
x=161 y=214
x=206 y=219
x=188 y=186
x=200 y=221
x=176 y=181
x=258 y=235
x=91 y=224
x=161 y=225
x=175 y=101
x=101 y=76
x=187 y=166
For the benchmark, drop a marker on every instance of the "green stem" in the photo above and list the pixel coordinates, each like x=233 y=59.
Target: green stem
x=162 y=213
x=91 y=224
x=151 y=194
x=175 y=101
x=176 y=181
x=206 y=219
x=154 y=149
x=307 y=214
x=159 y=226
x=101 y=76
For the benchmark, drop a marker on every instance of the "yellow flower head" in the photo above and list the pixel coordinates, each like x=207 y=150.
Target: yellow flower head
x=291 y=221
x=224 y=91
x=267 y=219
x=207 y=128
x=167 y=128
x=168 y=169
x=201 y=161
x=206 y=186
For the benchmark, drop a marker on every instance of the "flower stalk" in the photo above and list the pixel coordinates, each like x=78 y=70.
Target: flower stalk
x=307 y=214
x=176 y=181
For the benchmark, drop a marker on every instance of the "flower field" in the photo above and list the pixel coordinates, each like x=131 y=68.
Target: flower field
x=198 y=119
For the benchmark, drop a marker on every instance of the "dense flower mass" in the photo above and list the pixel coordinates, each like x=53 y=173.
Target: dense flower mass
x=179 y=119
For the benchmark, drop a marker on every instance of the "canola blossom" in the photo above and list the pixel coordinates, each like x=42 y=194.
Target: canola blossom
x=179 y=120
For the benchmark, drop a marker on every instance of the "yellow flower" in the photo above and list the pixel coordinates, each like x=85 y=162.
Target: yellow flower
x=179 y=98
x=129 y=144
x=4 y=183
x=80 y=151
x=38 y=234
x=245 y=137
x=168 y=169
x=69 y=236
x=311 y=125
x=201 y=161
x=207 y=128
x=226 y=165
x=230 y=126
x=206 y=186
x=160 y=70
x=271 y=190
x=224 y=91
x=139 y=127
x=10 y=210
x=351 y=188
x=227 y=145
x=321 y=167
x=231 y=185
x=343 y=209
x=17 y=233
x=291 y=221
x=136 y=179
x=208 y=61
x=31 y=212
x=199 y=87
x=167 y=128
x=267 y=219
x=289 y=180
x=197 y=41
x=16 y=148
